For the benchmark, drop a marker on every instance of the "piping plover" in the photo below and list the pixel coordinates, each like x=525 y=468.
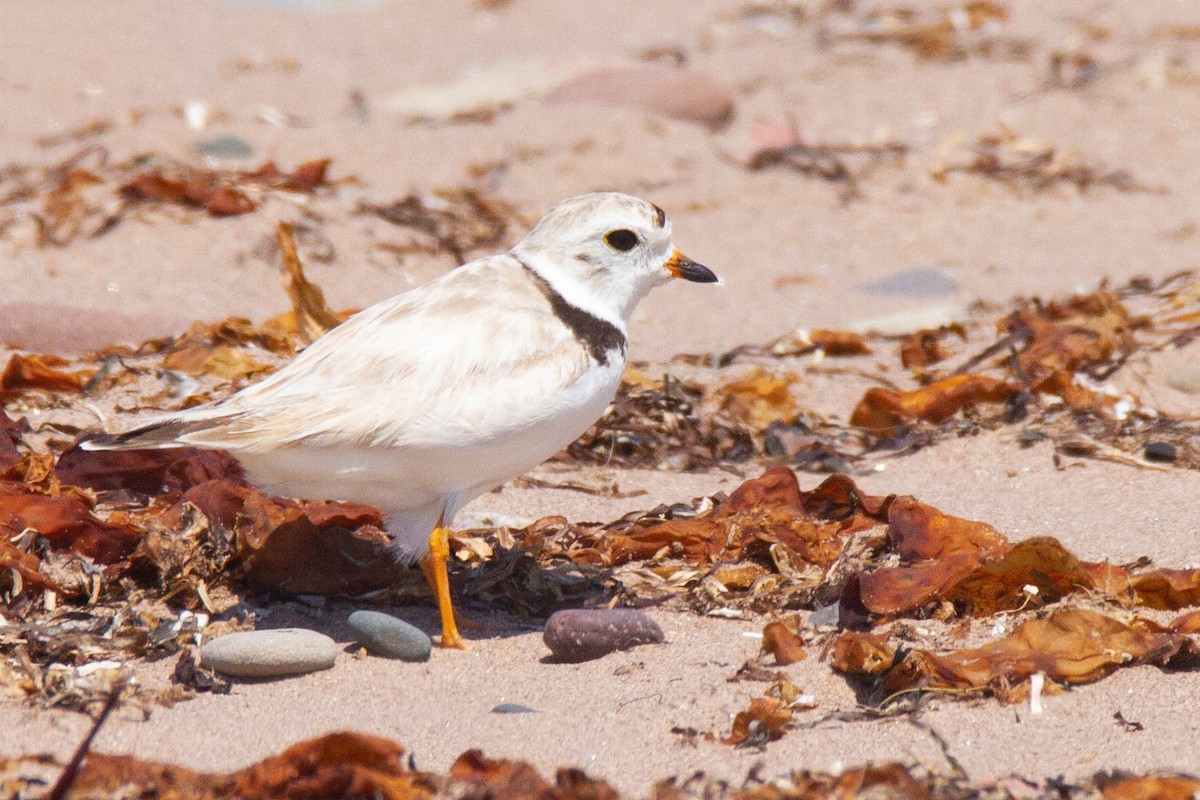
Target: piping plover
x=424 y=401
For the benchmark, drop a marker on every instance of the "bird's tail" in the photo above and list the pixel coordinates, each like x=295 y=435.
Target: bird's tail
x=157 y=435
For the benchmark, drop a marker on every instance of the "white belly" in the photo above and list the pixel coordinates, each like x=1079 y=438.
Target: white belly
x=414 y=484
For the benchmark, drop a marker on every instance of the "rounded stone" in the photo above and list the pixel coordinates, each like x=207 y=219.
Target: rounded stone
x=1185 y=378
x=584 y=634
x=825 y=616
x=669 y=91
x=915 y=282
x=269 y=654
x=1161 y=451
x=384 y=635
x=224 y=147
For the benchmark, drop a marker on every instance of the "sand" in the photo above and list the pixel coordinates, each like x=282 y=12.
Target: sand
x=297 y=81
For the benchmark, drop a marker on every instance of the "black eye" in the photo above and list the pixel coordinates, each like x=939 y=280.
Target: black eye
x=621 y=239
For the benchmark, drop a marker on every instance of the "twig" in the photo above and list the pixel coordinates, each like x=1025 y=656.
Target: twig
x=71 y=771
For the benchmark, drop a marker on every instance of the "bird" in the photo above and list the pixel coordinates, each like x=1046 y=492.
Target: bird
x=426 y=400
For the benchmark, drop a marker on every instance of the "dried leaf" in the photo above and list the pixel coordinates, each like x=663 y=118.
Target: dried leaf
x=1023 y=162
x=1151 y=788
x=146 y=472
x=884 y=413
x=1068 y=337
x=25 y=564
x=768 y=510
x=1187 y=623
x=1002 y=584
x=516 y=779
x=924 y=348
x=307 y=548
x=453 y=221
x=783 y=642
x=334 y=765
x=313 y=317
x=937 y=551
x=844 y=164
x=304 y=178
x=10 y=437
x=224 y=201
x=351 y=765
x=1069 y=645
x=1168 y=589
x=659 y=422
x=944 y=34
x=766 y=720
x=41 y=372
x=219 y=193
x=66 y=521
x=759 y=398
x=197 y=190
x=839 y=343
x=222 y=361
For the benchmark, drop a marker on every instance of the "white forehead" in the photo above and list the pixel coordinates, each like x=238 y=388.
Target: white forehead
x=605 y=210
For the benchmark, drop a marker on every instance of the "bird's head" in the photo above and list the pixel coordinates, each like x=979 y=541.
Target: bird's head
x=603 y=252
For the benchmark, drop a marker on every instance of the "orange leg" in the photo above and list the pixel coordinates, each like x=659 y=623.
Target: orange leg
x=434 y=567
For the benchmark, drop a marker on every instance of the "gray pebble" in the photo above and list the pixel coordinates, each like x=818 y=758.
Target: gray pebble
x=825 y=616
x=1185 y=378
x=916 y=282
x=1161 y=451
x=269 y=654
x=384 y=635
x=513 y=708
x=224 y=147
x=584 y=634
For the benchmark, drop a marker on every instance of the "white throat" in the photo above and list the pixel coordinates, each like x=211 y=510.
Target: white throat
x=576 y=292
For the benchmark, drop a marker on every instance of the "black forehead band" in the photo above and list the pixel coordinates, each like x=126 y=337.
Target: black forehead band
x=660 y=215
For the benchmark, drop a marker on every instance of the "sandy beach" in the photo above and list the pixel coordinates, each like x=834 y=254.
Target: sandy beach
x=846 y=166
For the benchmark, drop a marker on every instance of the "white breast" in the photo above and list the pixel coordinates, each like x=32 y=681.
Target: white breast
x=412 y=483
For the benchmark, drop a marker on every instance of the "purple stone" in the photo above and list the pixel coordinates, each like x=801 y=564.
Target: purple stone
x=584 y=634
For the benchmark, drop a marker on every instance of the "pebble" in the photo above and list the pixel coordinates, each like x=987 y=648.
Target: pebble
x=660 y=89
x=224 y=147
x=825 y=616
x=1161 y=451
x=1185 y=378
x=269 y=654
x=513 y=708
x=584 y=634
x=384 y=635
x=916 y=282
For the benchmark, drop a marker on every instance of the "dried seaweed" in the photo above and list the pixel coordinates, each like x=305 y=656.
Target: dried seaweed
x=1069 y=645
x=1046 y=368
x=312 y=317
x=87 y=194
x=651 y=424
x=346 y=764
x=948 y=33
x=25 y=372
x=767 y=719
x=844 y=164
x=455 y=221
x=220 y=193
x=1025 y=163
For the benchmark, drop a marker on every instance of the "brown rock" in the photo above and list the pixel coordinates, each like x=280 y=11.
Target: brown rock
x=663 y=90
x=578 y=635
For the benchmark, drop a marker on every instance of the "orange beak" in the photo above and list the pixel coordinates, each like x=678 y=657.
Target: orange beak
x=680 y=266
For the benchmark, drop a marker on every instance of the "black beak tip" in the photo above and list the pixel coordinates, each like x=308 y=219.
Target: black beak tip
x=698 y=273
